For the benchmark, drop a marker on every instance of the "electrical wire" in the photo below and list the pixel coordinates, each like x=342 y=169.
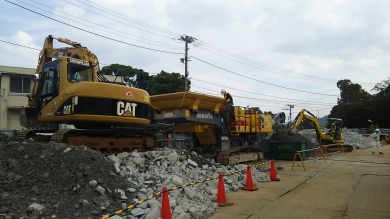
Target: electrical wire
x=105 y=30
x=267 y=100
x=116 y=14
x=289 y=99
x=214 y=92
x=19 y=45
x=244 y=76
x=195 y=79
x=90 y=32
x=273 y=68
x=275 y=71
x=115 y=20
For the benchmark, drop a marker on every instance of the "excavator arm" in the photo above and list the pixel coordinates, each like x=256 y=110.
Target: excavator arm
x=309 y=116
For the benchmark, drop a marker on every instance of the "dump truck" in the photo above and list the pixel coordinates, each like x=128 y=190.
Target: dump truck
x=204 y=116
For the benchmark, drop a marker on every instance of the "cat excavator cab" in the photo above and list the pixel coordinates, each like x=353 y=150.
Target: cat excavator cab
x=331 y=138
x=68 y=89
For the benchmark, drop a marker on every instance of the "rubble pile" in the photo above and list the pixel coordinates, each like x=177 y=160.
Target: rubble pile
x=147 y=172
x=356 y=140
x=350 y=138
x=39 y=180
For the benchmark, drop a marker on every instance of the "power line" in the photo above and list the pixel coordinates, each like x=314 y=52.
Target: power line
x=215 y=93
x=258 y=99
x=287 y=99
x=20 y=45
x=87 y=31
x=134 y=37
x=266 y=65
x=114 y=19
x=127 y=17
x=260 y=80
x=312 y=78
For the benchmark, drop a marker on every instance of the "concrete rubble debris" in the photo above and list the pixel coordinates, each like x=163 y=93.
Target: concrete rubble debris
x=358 y=141
x=82 y=183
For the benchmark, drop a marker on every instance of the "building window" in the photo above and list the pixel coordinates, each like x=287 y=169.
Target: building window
x=20 y=85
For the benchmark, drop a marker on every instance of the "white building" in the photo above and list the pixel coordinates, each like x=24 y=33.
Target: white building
x=15 y=84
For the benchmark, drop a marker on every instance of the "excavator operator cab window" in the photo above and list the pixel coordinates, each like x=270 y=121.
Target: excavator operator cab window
x=77 y=73
x=49 y=83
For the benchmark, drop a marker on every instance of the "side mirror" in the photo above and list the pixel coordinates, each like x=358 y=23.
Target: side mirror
x=36 y=77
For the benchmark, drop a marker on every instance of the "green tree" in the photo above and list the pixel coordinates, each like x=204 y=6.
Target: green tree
x=382 y=88
x=351 y=93
x=165 y=82
x=131 y=76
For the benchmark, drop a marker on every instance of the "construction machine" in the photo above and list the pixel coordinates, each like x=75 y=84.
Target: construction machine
x=204 y=116
x=68 y=89
x=331 y=138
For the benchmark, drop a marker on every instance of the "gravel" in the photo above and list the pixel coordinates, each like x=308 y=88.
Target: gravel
x=49 y=180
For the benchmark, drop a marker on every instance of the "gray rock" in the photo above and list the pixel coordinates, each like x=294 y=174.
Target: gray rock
x=178 y=210
x=36 y=206
x=92 y=183
x=121 y=193
x=189 y=192
x=153 y=203
x=155 y=212
x=131 y=190
x=122 y=155
x=100 y=190
x=137 y=212
x=138 y=160
x=193 y=153
x=193 y=211
x=67 y=150
x=177 y=181
x=85 y=203
x=192 y=163
x=141 y=196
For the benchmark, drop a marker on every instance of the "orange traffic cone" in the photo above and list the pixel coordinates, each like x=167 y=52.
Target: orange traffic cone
x=221 y=195
x=165 y=207
x=272 y=174
x=249 y=181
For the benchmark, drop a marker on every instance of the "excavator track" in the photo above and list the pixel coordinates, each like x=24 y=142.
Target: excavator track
x=236 y=155
x=331 y=148
x=108 y=141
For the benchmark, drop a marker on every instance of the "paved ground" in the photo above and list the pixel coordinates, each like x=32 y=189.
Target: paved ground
x=354 y=185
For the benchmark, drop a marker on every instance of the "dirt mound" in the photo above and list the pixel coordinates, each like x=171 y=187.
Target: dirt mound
x=40 y=180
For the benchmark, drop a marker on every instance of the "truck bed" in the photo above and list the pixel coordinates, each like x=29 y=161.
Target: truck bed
x=188 y=100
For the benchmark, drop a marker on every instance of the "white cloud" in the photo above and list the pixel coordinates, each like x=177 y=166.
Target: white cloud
x=316 y=39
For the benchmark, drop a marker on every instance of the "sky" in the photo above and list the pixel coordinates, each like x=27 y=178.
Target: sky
x=267 y=54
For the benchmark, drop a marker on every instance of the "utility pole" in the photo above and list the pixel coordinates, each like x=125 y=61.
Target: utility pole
x=187 y=40
x=289 y=108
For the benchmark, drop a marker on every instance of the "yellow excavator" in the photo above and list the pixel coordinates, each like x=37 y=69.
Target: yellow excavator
x=331 y=138
x=68 y=89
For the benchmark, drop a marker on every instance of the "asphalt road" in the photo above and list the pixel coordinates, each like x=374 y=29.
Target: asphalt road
x=354 y=185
